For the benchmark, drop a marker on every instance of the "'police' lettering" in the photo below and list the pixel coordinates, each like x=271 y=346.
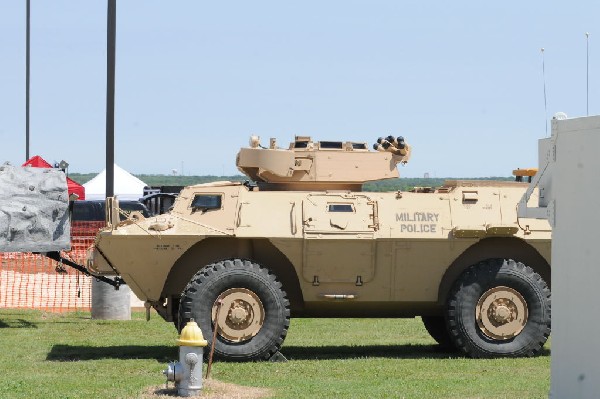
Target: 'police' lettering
x=418 y=228
x=419 y=222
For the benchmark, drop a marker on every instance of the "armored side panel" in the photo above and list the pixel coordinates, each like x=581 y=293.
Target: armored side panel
x=34 y=213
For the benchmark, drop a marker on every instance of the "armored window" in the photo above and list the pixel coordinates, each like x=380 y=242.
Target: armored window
x=337 y=145
x=359 y=146
x=340 y=208
x=205 y=202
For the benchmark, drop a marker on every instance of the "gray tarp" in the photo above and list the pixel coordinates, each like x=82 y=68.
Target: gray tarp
x=34 y=210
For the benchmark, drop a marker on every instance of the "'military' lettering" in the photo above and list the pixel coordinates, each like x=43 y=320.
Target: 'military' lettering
x=418 y=222
x=417 y=217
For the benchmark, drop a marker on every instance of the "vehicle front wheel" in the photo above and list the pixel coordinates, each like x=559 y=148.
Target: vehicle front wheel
x=499 y=308
x=247 y=303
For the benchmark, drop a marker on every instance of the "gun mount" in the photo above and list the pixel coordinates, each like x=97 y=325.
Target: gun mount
x=321 y=165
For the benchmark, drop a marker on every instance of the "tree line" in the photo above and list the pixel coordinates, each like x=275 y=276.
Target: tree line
x=394 y=184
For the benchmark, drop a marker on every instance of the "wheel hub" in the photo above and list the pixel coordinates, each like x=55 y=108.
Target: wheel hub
x=501 y=313
x=238 y=315
x=241 y=314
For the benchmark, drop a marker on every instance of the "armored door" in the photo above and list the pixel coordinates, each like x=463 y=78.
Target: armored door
x=338 y=238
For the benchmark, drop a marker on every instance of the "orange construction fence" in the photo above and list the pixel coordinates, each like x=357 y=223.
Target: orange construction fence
x=35 y=282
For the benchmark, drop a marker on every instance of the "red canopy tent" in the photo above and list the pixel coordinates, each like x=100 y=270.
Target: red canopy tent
x=73 y=186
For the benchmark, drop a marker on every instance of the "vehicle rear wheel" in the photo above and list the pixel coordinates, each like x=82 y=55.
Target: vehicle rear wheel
x=499 y=308
x=436 y=327
x=253 y=315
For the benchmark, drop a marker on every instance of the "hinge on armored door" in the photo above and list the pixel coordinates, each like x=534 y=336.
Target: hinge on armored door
x=375 y=215
x=293 y=219
x=238 y=221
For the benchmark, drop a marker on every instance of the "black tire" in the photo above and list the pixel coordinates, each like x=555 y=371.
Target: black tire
x=206 y=287
x=473 y=286
x=436 y=327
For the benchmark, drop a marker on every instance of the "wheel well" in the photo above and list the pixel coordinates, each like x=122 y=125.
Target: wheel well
x=506 y=247
x=216 y=249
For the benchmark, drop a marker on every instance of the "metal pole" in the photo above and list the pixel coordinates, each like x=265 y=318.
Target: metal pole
x=110 y=304
x=214 y=339
x=111 y=30
x=27 y=61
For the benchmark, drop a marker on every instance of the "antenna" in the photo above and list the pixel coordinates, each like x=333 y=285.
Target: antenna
x=545 y=101
x=587 y=73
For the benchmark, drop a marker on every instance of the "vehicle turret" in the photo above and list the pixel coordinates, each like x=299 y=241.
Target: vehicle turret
x=321 y=165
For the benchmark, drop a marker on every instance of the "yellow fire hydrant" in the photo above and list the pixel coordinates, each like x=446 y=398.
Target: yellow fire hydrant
x=187 y=373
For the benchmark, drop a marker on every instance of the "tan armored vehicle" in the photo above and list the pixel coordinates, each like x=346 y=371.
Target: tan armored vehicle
x=306 y=241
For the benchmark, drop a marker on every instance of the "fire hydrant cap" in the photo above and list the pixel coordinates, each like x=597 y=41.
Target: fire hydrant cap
x=191 y=335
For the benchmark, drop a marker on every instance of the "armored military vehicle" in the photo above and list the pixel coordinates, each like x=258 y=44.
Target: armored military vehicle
x=303 y=240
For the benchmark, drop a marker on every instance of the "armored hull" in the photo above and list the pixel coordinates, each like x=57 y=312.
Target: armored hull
x=245 y=258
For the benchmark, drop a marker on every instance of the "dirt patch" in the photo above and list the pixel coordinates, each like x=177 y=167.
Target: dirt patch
x=212 y=389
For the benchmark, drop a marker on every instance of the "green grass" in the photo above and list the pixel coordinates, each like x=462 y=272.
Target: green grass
x=71 y=356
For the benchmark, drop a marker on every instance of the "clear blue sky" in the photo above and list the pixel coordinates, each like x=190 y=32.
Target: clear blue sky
x=462 y=81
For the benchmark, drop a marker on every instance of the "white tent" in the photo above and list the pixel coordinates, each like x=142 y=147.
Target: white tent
x=127 y=186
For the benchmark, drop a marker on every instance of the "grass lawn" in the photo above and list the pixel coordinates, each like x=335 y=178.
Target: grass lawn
x=71 y=356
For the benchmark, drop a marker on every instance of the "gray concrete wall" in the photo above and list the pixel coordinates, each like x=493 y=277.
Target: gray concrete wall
x=34 y=213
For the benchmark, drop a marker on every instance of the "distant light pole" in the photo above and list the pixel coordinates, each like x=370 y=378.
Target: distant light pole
x=111 y=31
x=27 y=61
x=545 y=98
x=587 y=72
